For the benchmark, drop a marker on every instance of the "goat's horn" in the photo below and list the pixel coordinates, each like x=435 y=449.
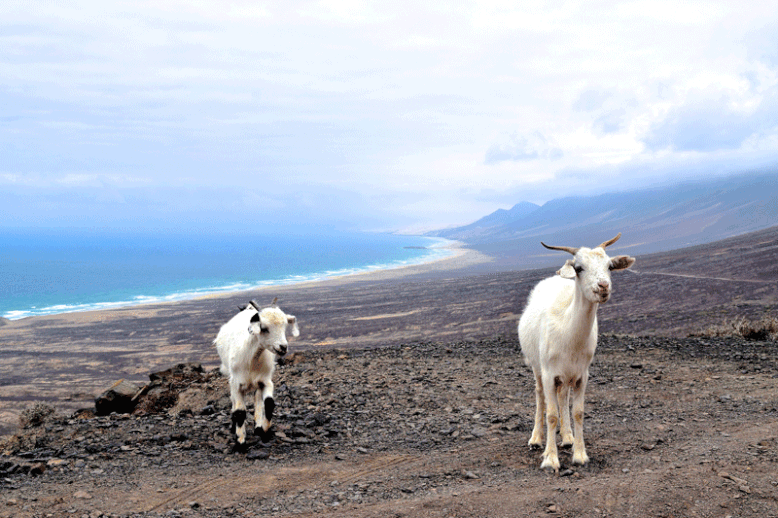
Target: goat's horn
x=275 y=302
x=610 y=241
x=256 y=306
x=568 y=249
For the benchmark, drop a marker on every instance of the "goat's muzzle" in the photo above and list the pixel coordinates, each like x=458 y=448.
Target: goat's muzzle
x=603 y=291
x=280 y=350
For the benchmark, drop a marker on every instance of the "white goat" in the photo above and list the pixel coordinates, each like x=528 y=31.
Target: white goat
x=248 y=345
x=558 y=336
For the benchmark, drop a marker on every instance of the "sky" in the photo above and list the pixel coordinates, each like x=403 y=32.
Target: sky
x=389 y=116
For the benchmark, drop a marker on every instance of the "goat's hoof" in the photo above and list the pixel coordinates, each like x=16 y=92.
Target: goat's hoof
x=566 y=444
x=550 y=463
x=240 y=447
x=580 y=460
x=265 y=436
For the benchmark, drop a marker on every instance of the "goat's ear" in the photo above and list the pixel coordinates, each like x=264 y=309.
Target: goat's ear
x=567 y=271
x=292 y=320
x=254 y=318
x=621 y=262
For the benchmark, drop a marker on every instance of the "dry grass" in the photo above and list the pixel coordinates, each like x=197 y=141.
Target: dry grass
x=35 y=415
x=765 y=329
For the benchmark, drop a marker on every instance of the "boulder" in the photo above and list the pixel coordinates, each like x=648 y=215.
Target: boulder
x=119 y=398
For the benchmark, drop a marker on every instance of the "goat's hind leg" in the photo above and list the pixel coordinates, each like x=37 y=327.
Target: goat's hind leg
x=536 y=440
x=264 y=405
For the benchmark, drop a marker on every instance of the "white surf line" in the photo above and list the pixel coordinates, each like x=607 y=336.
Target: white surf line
x=638 y=272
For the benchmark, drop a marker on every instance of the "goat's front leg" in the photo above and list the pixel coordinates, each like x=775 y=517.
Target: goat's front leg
x=536 y=441
x=238 y=411
x=563 y=396
x=551 y=385
x=264 y=404
x=579 y=449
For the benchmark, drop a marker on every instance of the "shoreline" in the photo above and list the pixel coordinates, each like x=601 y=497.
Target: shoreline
x=460 y=257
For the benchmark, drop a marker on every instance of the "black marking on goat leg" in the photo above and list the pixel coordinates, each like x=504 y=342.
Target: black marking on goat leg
x=265 y=436
x=240 y=447
x=238 y=418
x=260 y=385
x=270 y=405
x=578 y=383
x=557 y=381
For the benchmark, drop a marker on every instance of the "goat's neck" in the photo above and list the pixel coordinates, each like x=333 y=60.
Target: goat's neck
x=582 y=314
x=253 y=347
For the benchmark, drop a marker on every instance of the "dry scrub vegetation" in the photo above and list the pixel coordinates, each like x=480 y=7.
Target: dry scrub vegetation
x=763 y=329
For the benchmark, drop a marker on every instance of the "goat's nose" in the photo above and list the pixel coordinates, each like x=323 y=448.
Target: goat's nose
x=604 y=286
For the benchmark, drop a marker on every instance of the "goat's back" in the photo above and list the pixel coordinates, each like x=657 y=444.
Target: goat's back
x=232 y=335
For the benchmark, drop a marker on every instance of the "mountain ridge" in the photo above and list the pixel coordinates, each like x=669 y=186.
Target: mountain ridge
x=650 y=220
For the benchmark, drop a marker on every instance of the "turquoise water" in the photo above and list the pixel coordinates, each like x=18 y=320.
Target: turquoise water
x=47 y=272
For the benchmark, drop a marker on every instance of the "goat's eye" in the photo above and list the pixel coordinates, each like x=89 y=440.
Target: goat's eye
x=263 y=329
x=578 y=269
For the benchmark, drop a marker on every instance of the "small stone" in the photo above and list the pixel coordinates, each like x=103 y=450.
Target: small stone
x=470 y=475
x=38 y=469
x=362 y=450
x=567 y=473
x=258 y=455
x=552 y=508
x=82 y=495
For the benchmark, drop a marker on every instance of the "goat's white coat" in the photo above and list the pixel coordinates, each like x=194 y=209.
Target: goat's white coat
x=558 y=336
x=248 y=356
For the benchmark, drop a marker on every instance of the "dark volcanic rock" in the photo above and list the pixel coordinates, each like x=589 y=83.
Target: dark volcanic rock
x=119 y=398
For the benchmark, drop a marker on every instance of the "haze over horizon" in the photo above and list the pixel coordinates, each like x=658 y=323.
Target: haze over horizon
x=365 y=116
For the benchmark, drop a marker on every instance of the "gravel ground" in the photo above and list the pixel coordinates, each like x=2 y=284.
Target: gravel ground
x=674 y=427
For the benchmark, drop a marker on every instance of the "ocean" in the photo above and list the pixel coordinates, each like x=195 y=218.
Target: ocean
x=49 y=272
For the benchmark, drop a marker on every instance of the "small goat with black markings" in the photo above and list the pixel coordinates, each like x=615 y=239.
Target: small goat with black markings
x=248 y=344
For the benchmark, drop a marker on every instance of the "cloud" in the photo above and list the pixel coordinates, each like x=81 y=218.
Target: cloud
x=591 y=100
x=520 y=148
x=378 y=113
x=611 y=122
x=709 y=125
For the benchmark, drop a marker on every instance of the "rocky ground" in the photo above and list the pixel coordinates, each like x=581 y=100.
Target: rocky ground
x=674 y=427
